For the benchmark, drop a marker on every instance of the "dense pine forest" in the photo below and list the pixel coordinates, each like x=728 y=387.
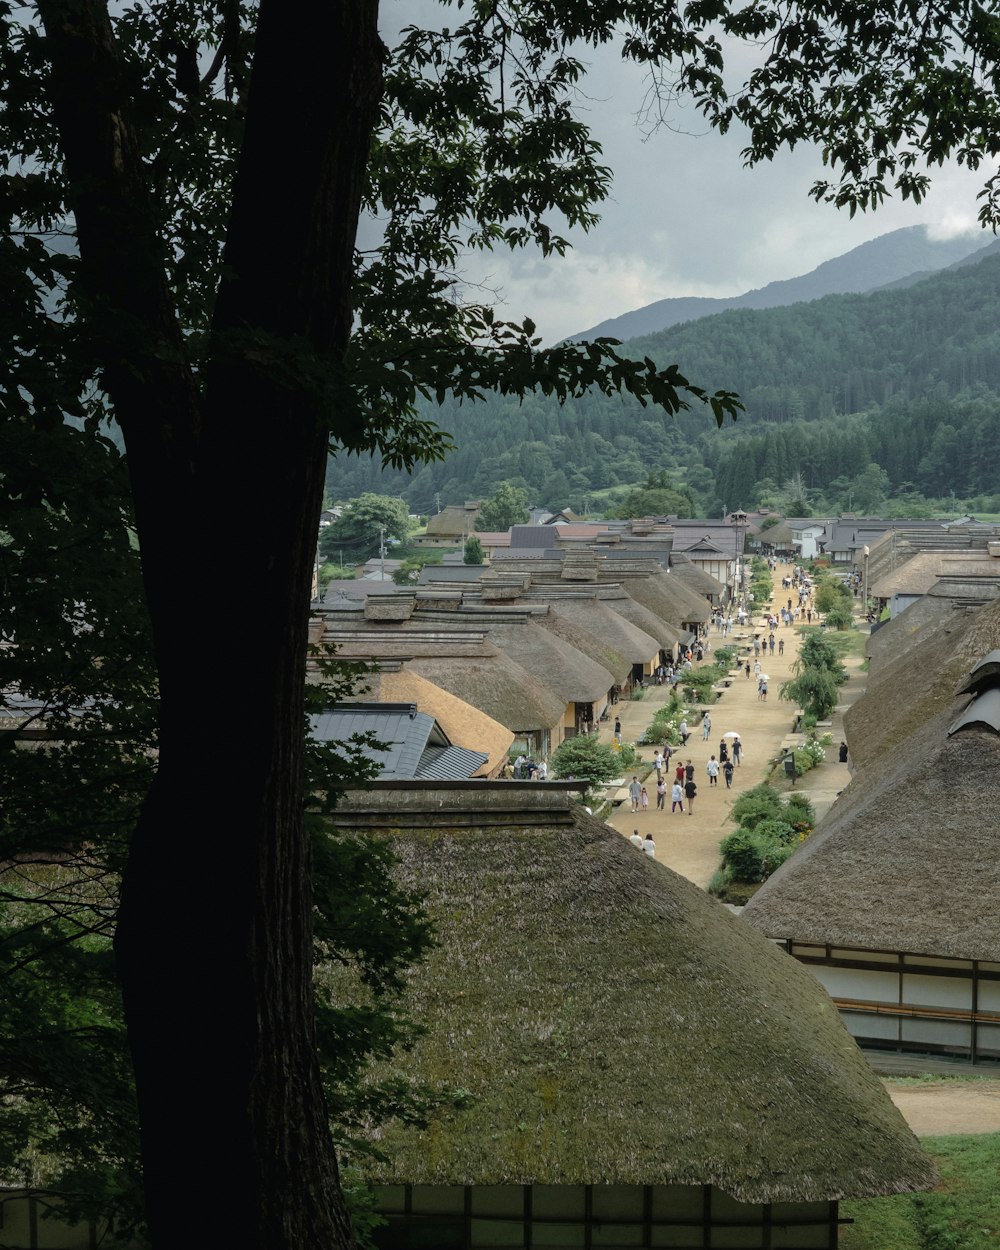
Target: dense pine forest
x=852 y=401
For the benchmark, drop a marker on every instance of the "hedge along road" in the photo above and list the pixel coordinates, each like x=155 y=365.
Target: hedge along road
x=689 y=844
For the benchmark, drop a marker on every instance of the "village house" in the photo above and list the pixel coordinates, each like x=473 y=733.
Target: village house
x=617 y=1060
x=889 y=901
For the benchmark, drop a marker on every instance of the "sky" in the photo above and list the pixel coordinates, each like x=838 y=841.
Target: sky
x=685 y=218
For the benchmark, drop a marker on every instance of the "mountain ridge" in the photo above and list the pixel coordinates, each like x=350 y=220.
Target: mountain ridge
x=900 y=257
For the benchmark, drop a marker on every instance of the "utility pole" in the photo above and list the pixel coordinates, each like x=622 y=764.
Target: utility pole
x=381 y=548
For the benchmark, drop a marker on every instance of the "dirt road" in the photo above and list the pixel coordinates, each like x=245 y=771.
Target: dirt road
x=942 y=1108
x=689 y=843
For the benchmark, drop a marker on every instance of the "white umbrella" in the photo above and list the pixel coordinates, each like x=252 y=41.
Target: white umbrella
x=732 y=734
x=764 y=677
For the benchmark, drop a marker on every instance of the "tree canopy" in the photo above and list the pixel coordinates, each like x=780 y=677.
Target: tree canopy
x=507 y=506
x=363 y=524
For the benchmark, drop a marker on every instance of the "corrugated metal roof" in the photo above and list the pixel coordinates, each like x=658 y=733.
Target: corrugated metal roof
x=450 y=764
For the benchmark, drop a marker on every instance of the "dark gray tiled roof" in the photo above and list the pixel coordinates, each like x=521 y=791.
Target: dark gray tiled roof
x=413 y=743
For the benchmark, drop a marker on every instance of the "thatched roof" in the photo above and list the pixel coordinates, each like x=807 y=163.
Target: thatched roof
x=611 y=630
x=570 y=672
x=919 y=573
x=905 y=860
x=569 y=632
x=906 y=857
x=666 y=595
x=465 y=725
x=695 y=577
x=919 y=683
x=622 y=602
x=498 y=686
x=453 y=521
x=613 y=1024
x=779 y=535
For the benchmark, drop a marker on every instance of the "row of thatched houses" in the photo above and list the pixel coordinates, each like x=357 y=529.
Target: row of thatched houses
x=893 y=901
x=618 y=1060
x=541 y=647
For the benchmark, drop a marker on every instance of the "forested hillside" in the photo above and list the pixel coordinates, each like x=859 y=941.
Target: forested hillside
x=901 y=256
x=855 y=397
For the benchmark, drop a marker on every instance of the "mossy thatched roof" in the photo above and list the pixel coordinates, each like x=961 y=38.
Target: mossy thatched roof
x=906 y=859
x=613 y=1024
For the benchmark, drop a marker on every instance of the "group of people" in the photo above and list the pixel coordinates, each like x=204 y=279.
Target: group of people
x=645 y=844
x=526 y=769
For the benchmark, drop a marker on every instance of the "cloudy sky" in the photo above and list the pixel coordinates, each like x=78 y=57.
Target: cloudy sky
x=686 y=219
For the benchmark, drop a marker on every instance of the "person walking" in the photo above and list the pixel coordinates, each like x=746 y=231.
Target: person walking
x=706 y=727
x=748 y=670
x=684 y=732
x=737 y=750
x=712 y=768
x=636 y=839
x=690 y=790
x=618 y=729
x=689 y=771
x=727 y=772
x=781 y=646
x=649 y=846
x=723 y=751
x=635 y=793
x=661 y=794
x=679 y=773
x=644 y=800
x=677 y=798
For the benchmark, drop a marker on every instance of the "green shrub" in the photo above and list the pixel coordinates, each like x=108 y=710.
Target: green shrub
x=763 y=802
x=804 y=760
x=719 y=880
x=587 y=758
x=660 y=731
x=830 y=595
x=741 y=855
x=800 y=810
x=725 y=657
x=701 y=680
x=772 y=856
x=775 y=830
x=769 y=832
x=751 y=856
x=628 y=756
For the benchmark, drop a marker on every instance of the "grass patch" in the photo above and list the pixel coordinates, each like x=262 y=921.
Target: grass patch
x=962 y=1213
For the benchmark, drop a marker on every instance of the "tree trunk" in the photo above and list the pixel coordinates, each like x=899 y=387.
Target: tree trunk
x=214 y=938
